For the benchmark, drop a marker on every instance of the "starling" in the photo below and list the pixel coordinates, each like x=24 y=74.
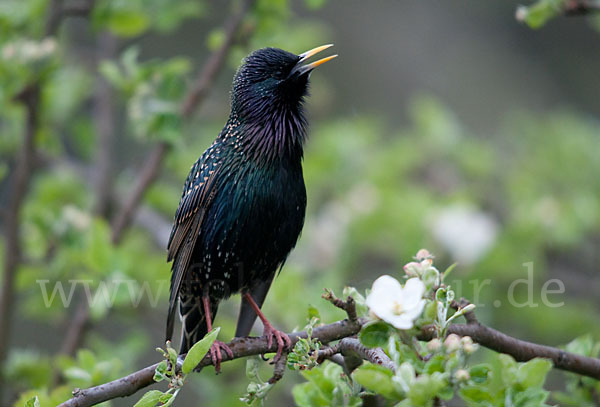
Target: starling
x=244 y=200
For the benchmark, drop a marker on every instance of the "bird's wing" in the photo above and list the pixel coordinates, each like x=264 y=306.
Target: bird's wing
x=197 y=195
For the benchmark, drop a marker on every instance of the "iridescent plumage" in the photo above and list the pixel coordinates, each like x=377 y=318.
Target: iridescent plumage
x=244 y=200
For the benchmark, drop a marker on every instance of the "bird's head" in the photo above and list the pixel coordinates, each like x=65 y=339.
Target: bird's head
x=271 y=78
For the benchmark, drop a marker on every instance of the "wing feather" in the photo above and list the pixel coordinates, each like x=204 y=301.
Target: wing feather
x=198 y=194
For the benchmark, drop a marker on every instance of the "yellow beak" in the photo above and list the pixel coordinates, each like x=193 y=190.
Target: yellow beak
x=306 y=55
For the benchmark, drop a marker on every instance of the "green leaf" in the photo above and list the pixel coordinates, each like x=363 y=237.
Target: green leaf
x=533 y=373
x=537 y=15
x=313 y=312
x=435 y=364
x=441 y=295
x=447 y=272
x=77 y=373
x=111 y=73
x=375 y=334
x=508 y=369
x=314 y=4
x=377 y=379
x=197 y=352
x=582 y=345
x=252 y=366
x=479 y=373
x=172 y=356
x=531 y=397
x=33 y=402
x=476 y=395
x=425 y=387
x=160 y=372
x=405 y=376
x=128 y=23
x=149 y=399
x=431 y=277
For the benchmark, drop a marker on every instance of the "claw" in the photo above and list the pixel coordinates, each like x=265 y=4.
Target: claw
x=283 y=340
x=215 y=354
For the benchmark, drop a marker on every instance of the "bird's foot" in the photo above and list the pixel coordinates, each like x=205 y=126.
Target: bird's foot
x=215 y=354
x=283 y=340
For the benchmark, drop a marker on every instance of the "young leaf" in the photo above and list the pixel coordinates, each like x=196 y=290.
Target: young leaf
x=375 y=334
x=149 y=399
x=197 y=352
x=377 y=379
x=33 y=402
x=533 y=373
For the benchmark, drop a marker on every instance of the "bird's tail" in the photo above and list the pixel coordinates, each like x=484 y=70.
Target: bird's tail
x=193 y=321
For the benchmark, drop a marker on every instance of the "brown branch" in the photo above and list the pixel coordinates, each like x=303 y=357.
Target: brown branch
x=215 y=63
x=103 y=114
x=353 y=347
x=241 y=347
x=76 y=329
x=344 y=331
x=58 y=11
x=349 y=305
x=195 y=97
x=29 y=97
x=521 y=350
x=148 y=174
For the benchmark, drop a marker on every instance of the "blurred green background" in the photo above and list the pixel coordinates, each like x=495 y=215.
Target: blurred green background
x=445 y=125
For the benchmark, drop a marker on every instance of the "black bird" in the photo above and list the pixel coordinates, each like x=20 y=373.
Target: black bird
x=244 y=200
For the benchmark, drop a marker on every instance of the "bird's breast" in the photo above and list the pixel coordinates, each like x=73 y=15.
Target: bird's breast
x=255 y=219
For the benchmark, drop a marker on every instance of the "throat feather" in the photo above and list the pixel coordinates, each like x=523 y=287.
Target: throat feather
x=278 y=135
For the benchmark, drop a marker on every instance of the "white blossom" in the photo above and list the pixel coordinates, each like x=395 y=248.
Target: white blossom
x=397 y=305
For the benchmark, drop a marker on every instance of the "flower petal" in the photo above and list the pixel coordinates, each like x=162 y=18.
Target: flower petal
x=401 y=321
x=415 y=311
x=385 y=290
x=412 y=292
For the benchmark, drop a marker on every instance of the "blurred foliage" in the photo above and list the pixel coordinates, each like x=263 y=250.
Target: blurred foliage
x=542 y=11
x=376 y=195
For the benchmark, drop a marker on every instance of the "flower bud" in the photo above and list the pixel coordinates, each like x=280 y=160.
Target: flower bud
x=423 y=254
x=434 y=345
x=461 y=375
x=425 y=264
x=452 y=343
x=412 y=269
x=470 y=348
x=466 y=340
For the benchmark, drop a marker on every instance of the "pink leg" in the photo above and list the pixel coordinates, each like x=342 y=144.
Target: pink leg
x=283 y=341
x=215 y=349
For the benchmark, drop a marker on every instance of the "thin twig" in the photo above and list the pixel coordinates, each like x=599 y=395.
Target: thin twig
x=29 y=97
x=215 y=63
x=148 y=174
x=279 y=369
x=104 y=123
x=349 y=305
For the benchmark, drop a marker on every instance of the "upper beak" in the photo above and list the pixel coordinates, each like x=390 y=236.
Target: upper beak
x=302 y=69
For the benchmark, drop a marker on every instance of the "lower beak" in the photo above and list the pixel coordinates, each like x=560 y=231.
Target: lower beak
x=302 y=69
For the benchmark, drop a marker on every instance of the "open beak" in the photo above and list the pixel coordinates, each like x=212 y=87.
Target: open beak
x=302 y=69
